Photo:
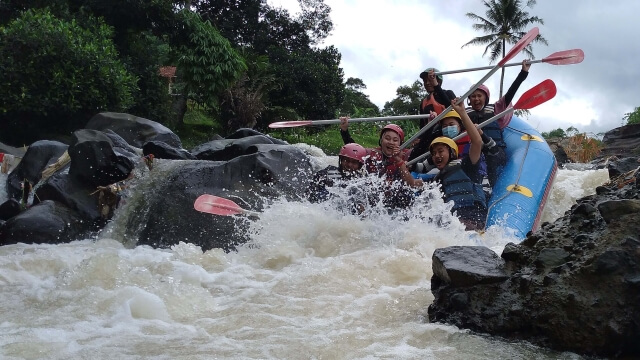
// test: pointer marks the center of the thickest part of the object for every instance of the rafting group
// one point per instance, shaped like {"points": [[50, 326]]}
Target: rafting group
{"points": [[465, 166]]}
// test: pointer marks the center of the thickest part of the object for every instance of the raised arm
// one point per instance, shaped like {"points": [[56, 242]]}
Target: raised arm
{"points": [[475, 149]]}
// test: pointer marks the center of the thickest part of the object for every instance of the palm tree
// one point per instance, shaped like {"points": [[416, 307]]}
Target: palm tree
{"points": [[505, 22]]}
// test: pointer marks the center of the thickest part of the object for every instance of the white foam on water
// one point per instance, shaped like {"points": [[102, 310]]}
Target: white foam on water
{"points": [[314, 281]]}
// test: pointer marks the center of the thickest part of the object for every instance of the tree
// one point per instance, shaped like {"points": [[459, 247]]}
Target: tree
{"points": [[407, 101], [56, 75], [559, 133], [505, 22], [356, 103], [632, 117], [243, 103]]}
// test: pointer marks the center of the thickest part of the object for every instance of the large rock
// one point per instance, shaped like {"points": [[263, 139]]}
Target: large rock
{"points": [[46, 223], [622, 142], [574, 285], [135, 130], [96, 162], [78, 196], [161, 150], [39, 155], [161, 211], [227, 149]]}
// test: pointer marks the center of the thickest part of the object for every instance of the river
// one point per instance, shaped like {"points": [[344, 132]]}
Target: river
{"points": [[311, 284]]}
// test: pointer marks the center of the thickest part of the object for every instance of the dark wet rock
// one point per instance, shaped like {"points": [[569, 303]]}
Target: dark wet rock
{"points": [[161, 150], [466, 266], [7, 149], [614, 209], [96, 162], [162, 214], [622, 166], [46, 223], [9, 209], [572, 286], [622, 141], [227, 149], [245, 132], [76, 195], [135, 130], [39, 155]]}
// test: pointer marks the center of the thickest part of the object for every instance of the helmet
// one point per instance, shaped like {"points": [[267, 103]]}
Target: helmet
{"points": [[426, 71], [395, 128], [449, 142], [354, 151], [452, 113], [484, 89]]}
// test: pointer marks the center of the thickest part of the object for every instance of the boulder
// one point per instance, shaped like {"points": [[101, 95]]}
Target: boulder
{"points": [[76, 195], [96, 162], [246, 132], [39, 155], [161, 150], [45, 223], [9, 209], [227, 149], [135, 130], [163, 214], [572, 286]]}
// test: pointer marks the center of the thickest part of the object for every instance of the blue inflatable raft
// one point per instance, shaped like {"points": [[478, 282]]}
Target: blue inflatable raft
{"points": [[521, 191]]}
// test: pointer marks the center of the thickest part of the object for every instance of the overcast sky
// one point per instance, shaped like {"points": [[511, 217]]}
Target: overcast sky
{"points": [[387, 43]]}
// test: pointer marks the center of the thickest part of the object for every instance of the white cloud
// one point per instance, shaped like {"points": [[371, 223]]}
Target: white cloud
{"points": [[388, 43]]}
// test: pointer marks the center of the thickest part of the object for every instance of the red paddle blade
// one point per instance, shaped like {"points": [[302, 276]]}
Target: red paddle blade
{"points": [[535, 96], [521, 44], [566, 57], [288, 124], [217, 205]]}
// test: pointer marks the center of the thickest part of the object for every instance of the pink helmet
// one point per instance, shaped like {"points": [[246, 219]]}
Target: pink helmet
{"points": [[486, 92], [354, 151], [395, 128]]}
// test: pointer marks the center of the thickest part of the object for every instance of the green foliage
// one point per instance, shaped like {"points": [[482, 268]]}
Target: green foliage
{"points": [[145, 54], [57, 74], [207, 61], [407, 100], [356, 103], [243, 102], [559, 133], [311, 81], [632, 117], [505, 22]]}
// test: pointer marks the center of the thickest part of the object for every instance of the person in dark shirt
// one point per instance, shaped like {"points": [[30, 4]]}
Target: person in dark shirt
{"points": [[480, 109]]}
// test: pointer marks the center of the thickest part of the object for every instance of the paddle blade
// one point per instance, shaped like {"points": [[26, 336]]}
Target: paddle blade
{"points": [[521, 44], [535, 96], [289, 124], [216, 205], [566, 57]]}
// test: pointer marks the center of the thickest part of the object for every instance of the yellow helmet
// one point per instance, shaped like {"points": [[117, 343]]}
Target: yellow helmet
{"points": [[452, 113], [447, 141]]}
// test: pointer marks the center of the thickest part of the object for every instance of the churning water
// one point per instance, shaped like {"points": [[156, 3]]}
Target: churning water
{"points": [[312, 283]]}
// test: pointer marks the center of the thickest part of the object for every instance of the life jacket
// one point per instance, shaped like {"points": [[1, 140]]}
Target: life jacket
{"points": [[492, 130], [430, 100], [464, 144], [459, 188], [378, 163]]}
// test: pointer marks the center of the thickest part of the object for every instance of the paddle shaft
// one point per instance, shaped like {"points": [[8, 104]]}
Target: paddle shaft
{"points": [[521, 44], [461, 135], [379, 118], [442, 114]]}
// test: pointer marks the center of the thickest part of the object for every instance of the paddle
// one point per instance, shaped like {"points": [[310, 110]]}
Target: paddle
{"points": [[566, 57], [220, 206], [531, 98], [521, 44], [288, 124]]}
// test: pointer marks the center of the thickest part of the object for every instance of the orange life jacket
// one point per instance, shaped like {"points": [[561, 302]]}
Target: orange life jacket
{"points": [[430, 99]]}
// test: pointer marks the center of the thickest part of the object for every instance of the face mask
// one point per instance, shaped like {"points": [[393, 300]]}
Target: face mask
{"points": [[450, 131]]}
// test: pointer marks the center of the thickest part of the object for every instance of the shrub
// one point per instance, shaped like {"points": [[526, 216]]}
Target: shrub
{"points": [[57, 74]]}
